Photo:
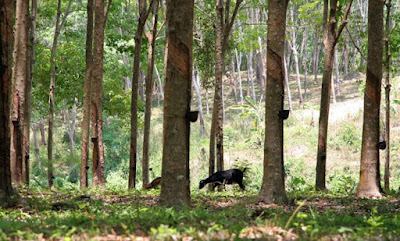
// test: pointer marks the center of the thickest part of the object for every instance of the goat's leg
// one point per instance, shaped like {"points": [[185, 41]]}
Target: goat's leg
{"points": [[241, 185]]}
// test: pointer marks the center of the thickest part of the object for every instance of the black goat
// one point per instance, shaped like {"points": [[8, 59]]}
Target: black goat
{"points": [[230, 176]]}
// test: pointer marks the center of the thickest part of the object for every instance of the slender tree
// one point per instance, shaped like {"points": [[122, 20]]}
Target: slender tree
{"points": [[59, 24], [7, 13], [20, 75], [175, 187], [149, 89], [100, 18], [369, 185], [273, 186], [28, 91], [223, 30], [331, 37], [387, 95], [143, 14], [86, 97]]}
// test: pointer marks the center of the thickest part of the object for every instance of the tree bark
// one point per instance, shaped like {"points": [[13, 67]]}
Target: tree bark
{"points": [[143, 14], [149, 89], [331, 36], [273, 186], [21, 77], [369, 184], [86, 98], [100, 17], [219, 58], [175, 187], [7, 13], [387, 96]]}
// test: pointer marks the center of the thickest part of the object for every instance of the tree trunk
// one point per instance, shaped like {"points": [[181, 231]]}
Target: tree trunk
{"points": [[143, 14], [175, 187], [7, 12], [196, 84], [296, 58], [239, 62], [387, 96], [287, 84], [369, 184], [337, 77], [333, 88], [331, 36], [316, 56], [71, 129], [250, 75], [36, 144], [273, 186], [86, 98], [233, 81], [207, 106], [42, 132], [97, 90], [59, 25], [219, 58], [160, 84], [21, 77], [28, 93], [149, 89]]}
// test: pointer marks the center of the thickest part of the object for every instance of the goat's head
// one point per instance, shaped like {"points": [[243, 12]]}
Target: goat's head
{"points": [[202, 184]]}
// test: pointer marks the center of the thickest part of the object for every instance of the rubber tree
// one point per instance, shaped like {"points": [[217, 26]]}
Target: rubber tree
{"points": [[7, 13], [369, 185], [273, 185], [175, 185], [330, 38]]}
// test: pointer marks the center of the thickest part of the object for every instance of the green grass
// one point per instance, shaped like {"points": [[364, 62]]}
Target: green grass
{"points": [[223, 215]]}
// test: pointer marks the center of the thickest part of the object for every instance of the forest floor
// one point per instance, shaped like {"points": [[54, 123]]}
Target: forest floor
{"points": [[213, 216]]}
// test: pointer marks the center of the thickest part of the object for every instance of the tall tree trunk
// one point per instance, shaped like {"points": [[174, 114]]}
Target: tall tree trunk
{"points": [[175, 187], [59, 25], [219, 56], [149, 88], [387, 96], [143, 14], [86, 98], [296, 58], [7, 13], [100, 17], [369, 184], [331, 36], [273, 186], [21, 77], [223, 30], [28, 92]]}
